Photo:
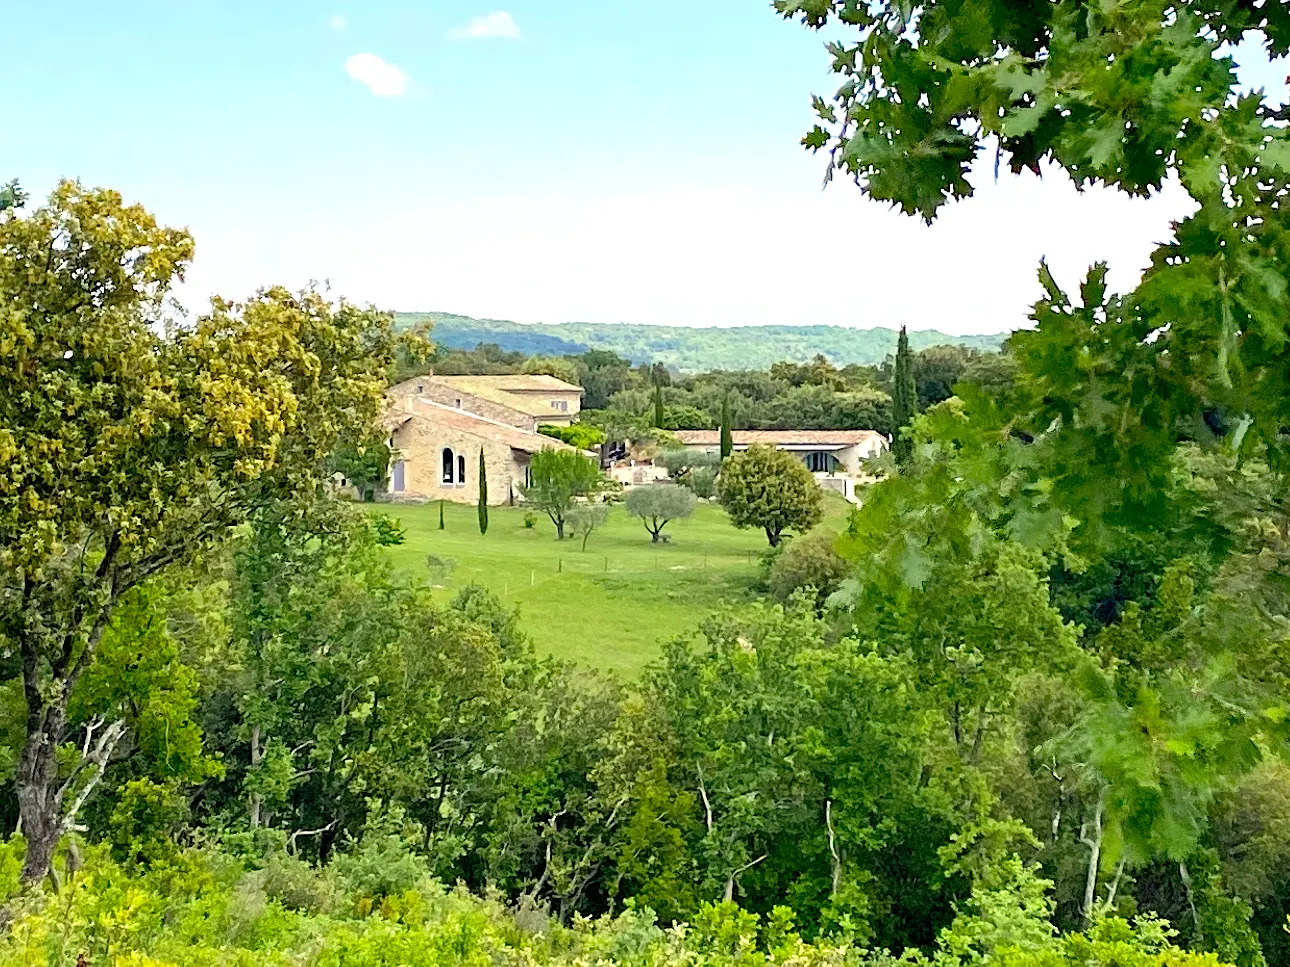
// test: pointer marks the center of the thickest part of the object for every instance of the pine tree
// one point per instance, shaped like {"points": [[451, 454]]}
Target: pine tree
{"points": [[483, 494], [727, 437], [904, 401], [441, 515], [658, 405]]}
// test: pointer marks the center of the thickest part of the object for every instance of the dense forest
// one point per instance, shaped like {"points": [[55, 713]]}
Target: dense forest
{"points": [[686, 349], [1041, 719], [812, 395]]}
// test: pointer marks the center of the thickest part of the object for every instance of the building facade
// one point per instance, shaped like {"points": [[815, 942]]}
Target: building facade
{"points": [[435, 453], [835, 457]]}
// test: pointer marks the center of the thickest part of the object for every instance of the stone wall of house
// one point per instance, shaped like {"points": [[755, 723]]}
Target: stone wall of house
{"points": [[420, 444], [429, 389]]}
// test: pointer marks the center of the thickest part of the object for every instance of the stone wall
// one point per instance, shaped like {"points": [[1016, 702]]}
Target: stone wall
{"points": [[420, 444], [427, 388]]}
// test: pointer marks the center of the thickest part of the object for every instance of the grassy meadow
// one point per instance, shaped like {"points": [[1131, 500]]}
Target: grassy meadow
{"points": [[610, 606]]}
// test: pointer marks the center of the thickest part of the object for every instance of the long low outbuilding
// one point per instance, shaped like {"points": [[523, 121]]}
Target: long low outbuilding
{"points": [[836, 457]]}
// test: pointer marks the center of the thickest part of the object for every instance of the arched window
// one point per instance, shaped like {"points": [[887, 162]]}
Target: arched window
{"points": [[820, 462], [461, 469], [448, 466]]}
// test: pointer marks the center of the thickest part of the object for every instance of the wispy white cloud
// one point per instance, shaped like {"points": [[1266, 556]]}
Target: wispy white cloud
{"points": [[381, 78], [338, 22], [496, 24]]}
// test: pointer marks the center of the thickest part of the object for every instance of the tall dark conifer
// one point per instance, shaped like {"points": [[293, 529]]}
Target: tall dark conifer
{"points": [[727, 437], [658, 405], [904, 401], [483, 493]]}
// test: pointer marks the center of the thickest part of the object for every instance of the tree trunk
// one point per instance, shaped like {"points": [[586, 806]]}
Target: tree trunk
{"points": [[37, 790], [44, 810], [773, 537], [1094, 844]]}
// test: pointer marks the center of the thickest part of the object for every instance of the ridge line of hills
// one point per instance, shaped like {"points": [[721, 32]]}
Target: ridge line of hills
{"points": [[686, 348]]}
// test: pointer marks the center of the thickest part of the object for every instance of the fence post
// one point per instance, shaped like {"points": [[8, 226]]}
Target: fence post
{"points": [[559, 566]]}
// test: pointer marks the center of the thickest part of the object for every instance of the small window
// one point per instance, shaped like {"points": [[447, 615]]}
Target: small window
{"points": [[561, 405], [461, 470], [448, 466], [421, 388], [458, 402], [528, 475]]}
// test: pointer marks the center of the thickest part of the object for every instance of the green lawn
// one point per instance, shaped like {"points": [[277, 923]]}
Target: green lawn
{"points": [[610, 606]]}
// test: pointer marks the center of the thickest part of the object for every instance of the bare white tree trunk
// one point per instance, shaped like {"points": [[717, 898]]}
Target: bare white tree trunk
{"points": [[833, 848], [1094, 844]]}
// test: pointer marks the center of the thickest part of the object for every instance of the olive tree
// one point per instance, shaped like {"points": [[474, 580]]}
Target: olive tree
{"points": [[658, 505], [129, 442], [585, 518], [771, 489]]}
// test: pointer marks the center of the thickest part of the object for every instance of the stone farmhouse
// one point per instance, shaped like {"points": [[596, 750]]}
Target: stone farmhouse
{"points": [[436, 451], [524, 401], [834, 456]]}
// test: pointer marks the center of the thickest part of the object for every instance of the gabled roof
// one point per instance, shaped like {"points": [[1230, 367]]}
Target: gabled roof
{"points": [[480, 426], [781, 438], [517, 392]]}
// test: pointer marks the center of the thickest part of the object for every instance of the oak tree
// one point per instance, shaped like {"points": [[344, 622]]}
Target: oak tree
{"points": [[130, 441]]}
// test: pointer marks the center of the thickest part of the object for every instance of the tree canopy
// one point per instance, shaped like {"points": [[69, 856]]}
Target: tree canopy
{"points": [[130, 442], [556, 479], [770, 489]]}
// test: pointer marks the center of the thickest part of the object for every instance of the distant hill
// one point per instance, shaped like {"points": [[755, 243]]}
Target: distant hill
{"points": [[686, 348]]}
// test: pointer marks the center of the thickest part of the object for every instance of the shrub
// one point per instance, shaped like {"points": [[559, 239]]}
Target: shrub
{"points": [[146, 820], [530, 520], [702, 482], [808, 561], [386, 531], [579, 435]]}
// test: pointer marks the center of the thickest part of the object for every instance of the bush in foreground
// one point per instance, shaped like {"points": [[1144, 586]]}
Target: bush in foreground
{"points": [[377, 908]]}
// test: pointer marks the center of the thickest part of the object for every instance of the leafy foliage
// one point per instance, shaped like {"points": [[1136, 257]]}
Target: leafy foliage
{"points": [[579, 435], [904, 401], [811, 562], [587, 517], [129, 446], [557, 478], [770, 489], [658, 505]]}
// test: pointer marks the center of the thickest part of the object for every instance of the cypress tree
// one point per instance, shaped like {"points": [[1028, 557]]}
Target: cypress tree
{"points": [[904, 401], [658, 405], [483, 494], [441, 515], [727, 437]]}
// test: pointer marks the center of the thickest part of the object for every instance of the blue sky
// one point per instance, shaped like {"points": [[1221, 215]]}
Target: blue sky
{"points": [[536, 161]]}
